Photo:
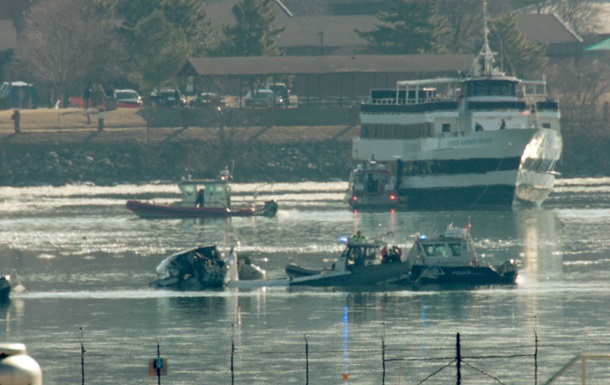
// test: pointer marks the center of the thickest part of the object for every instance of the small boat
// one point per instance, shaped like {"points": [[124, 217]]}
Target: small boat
{"points": [[202, 199], [450, 258], [204, 267], [5, 288], [371, 186], [362, 262]]}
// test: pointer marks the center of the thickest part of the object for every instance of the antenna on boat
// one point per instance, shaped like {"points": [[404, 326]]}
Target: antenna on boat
{"points": [[486, 53]]}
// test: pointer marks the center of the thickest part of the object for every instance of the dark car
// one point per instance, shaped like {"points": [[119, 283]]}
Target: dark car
{"points": [[207, 99], [280, 89], [167, 97]]}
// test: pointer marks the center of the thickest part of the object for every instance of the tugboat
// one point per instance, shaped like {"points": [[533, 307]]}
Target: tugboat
{"points": [[450, 259], [202, 199], [362, 262], [371, 186]]}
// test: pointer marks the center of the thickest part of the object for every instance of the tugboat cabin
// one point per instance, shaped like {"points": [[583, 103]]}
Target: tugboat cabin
{"points": [[213, 193]]}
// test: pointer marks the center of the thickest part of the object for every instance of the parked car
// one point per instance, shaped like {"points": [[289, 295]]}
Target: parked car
{"points": [[280, 89], [128, 99], [207, 99], [167, 97], [263, 98]]}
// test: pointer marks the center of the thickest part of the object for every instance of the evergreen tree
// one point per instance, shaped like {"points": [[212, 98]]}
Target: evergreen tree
{"points": [[189, 16], [523, 58], [254, 33], [160, 51], [410, 27], [157, 51]]}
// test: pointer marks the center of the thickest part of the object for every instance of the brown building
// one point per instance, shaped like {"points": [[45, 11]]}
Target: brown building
{"points": [[341, 78]]}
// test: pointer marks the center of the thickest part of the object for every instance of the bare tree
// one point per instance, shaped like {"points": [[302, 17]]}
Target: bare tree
{"points": [[581, 86], [464, 19], [65, 44]]}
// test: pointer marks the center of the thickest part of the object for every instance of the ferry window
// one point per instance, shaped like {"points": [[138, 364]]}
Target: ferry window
{"points": [[446, 127], [456, 249], [546, 125]]}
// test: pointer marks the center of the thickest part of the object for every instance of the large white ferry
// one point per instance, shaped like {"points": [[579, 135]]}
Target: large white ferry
{"points": [[483, 140]]}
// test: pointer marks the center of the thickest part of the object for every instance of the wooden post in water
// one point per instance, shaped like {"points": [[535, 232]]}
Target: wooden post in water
{"points": [[383, 357], [535, 358], [458, 359], [82, 356], [158, 366], [232, 355], [306, 361]]}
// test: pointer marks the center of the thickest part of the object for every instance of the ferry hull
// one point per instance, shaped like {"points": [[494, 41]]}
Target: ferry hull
{"points": [[480, 170]]}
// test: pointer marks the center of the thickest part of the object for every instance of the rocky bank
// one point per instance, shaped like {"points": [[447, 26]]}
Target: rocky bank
{"points": [[276, 154]]}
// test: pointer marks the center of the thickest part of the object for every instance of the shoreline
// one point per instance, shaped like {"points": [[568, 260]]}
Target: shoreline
{"points": [[131, 152], [57, 147]]}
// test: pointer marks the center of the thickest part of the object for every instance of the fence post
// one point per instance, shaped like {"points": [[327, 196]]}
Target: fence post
{"points": [[458, 359], [100, 119], [16, 117]]}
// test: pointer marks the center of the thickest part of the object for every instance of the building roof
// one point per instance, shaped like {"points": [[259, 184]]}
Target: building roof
{"points": [[603, 45], [299, 65], [546, 28], [338, 31], [8, 35]]}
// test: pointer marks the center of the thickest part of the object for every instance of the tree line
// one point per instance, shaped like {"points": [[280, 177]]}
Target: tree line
{"points": [[65, 44]]}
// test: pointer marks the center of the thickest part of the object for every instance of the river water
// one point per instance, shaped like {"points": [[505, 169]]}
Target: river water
{"points": [[86, 262]]}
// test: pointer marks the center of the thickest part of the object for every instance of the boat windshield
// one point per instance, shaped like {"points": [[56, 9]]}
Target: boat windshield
{"points": [[188, 191], [453, 249], [456, 249]]}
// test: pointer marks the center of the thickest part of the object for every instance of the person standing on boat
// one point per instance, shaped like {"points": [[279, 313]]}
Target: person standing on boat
{"points": [[200, 198], [478, 127], [358, 237], [503, 125]]}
